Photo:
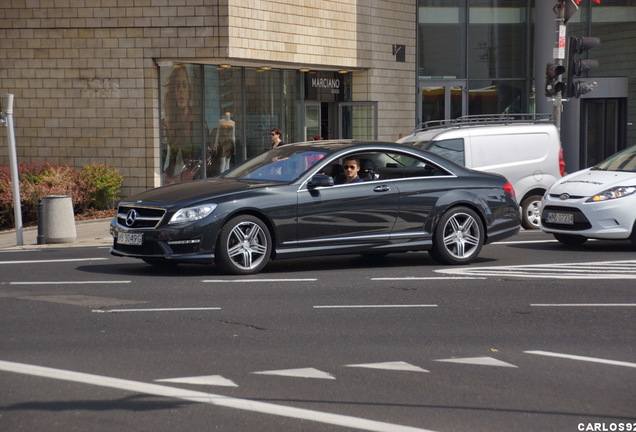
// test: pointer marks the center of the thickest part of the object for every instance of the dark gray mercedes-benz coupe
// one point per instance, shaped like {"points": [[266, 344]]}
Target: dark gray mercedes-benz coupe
{"points": [[319, 198]]}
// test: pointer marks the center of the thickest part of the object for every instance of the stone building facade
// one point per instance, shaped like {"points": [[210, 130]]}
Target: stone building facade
{"points": [[86, 74]]}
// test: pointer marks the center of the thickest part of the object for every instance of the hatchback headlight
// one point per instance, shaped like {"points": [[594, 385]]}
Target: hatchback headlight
{"points": [[190, 214], [617, 192]]}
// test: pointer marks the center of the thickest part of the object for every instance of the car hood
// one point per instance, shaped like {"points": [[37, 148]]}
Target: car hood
{"points": [[589, 182], [195, 191]]}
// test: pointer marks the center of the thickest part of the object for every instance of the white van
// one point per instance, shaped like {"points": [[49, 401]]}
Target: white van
{"points": [[526, 149]]}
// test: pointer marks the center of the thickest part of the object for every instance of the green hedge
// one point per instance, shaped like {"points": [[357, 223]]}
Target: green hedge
{"points": [[94, 187]]}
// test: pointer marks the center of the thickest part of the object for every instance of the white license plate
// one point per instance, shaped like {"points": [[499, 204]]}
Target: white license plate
{"points": [[560, 218], [130, 239]]}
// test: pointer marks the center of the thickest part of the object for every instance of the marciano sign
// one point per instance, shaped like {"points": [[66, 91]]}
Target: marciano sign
{"points": [[332, 84]]}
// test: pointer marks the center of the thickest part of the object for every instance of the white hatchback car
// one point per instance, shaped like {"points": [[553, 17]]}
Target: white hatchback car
{"points": [[597, 202]]}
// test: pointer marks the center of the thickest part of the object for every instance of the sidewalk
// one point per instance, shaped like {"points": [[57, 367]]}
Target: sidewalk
{"points": [[89, 233]]}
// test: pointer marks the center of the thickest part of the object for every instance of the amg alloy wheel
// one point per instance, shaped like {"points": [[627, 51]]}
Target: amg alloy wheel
{"points": [[458, 237], [244, 246]]}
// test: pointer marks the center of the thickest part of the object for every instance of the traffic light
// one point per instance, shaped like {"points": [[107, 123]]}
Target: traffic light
{"points": [[576, 66], [553, 83]]}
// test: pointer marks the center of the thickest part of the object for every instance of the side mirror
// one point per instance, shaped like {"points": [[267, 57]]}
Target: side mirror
{"points": [[320, 180]]}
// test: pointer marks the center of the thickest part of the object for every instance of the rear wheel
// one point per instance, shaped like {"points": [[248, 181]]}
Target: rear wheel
{"points": [[458, 237], [531, 212], [570, 239], [244, 246]]}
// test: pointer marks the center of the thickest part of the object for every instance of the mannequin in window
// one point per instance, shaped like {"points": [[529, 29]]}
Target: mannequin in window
{"points": [[225, 141]]}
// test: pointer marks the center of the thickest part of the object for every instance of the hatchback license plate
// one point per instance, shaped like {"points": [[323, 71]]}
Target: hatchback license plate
{"points": [[560, 218], [130, 239]]}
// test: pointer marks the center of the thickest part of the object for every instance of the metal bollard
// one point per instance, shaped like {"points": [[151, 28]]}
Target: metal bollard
{"points": [[40, 223]]}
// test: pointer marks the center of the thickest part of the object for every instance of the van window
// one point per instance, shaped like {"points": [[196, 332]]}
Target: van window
{"points": [[451, 149]]}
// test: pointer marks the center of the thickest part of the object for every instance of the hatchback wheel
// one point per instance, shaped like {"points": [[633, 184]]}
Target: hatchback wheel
{"points": [[570, 239], [244, 246], [458, 237], [531, 212]]}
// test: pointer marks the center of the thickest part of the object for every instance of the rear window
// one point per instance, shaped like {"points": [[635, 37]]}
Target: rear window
{"points": [[451, 149]]}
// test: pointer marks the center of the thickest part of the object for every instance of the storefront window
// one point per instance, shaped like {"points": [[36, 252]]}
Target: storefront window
{"points": [[496, 39], [223, 118], [263, 108], [182, 144], [496, 97], [441, 36]]}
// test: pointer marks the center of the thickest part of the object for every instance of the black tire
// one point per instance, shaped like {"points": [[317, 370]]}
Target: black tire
{"points": [[458, 237], [531, 212], [632, 237], [244, 246], [570, 239]]}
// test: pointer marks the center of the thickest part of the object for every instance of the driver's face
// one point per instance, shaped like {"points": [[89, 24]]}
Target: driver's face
{"points": [[351, 169]]}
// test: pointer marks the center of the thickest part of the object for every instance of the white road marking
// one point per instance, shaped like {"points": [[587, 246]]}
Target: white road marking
{"points": [[68, 282], [584, 305], [396, 366], [209, 398], [523, 242], [481, 361], [52, 261], [590, 270], [409, 278], [583, 358], [257, 280], [298, 373], [214, 380], [156, 310], [374, 306]]}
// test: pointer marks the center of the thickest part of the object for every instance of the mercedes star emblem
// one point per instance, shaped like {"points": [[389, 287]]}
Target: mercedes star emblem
{"points": [[131, 216]]}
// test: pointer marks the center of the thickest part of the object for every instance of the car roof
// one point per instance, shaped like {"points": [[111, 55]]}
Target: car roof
{"points": [[334, 146]]}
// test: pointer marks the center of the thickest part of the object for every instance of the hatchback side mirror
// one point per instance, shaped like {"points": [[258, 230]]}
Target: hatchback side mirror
{"points": [[320, 180]]}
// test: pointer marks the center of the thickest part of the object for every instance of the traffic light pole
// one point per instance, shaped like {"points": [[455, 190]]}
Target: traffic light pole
{"points": [[559, 55]]}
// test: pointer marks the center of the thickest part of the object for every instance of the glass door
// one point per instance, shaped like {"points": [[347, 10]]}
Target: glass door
{"points": [[603, 129], [441, 100], [358, 120], [313, 120]]}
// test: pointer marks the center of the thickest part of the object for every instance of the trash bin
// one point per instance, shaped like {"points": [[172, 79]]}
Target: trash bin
{"points": [[58, 220]]}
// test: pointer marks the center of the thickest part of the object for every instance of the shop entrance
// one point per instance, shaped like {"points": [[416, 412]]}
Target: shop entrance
{"points": [[441, 100], [318, 124]]}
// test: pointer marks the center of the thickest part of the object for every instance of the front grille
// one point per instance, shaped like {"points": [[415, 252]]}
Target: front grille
{"points": [[150, 248], [144, 217], [580, 221]]}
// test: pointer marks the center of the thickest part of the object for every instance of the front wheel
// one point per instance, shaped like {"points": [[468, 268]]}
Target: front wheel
{"points": [[531, 212], [244, 246], [570, 239], [458, 237]]}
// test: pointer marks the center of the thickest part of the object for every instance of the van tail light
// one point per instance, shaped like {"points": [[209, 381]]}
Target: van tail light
{"points": [[508, 188], [561, 163]]}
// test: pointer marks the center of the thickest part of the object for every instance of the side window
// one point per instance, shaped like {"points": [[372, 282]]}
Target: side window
{"points": [[400, 165], [451, 149]]}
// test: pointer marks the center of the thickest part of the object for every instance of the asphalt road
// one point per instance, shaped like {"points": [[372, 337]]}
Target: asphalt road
{"points": [[534, 336]]}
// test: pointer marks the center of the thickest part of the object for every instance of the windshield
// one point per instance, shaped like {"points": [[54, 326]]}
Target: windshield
{"points": [[621, 161], [282, 164]]}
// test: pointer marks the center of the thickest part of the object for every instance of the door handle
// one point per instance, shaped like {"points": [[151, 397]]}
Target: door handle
{"points": [[382, 188]]}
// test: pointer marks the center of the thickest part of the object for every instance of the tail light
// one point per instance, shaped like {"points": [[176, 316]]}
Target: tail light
{"points": [[508, 188], [561, 163]]}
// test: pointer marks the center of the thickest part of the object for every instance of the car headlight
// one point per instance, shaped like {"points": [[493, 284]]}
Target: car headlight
{"points": [[190, 214], [617, 192]]}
